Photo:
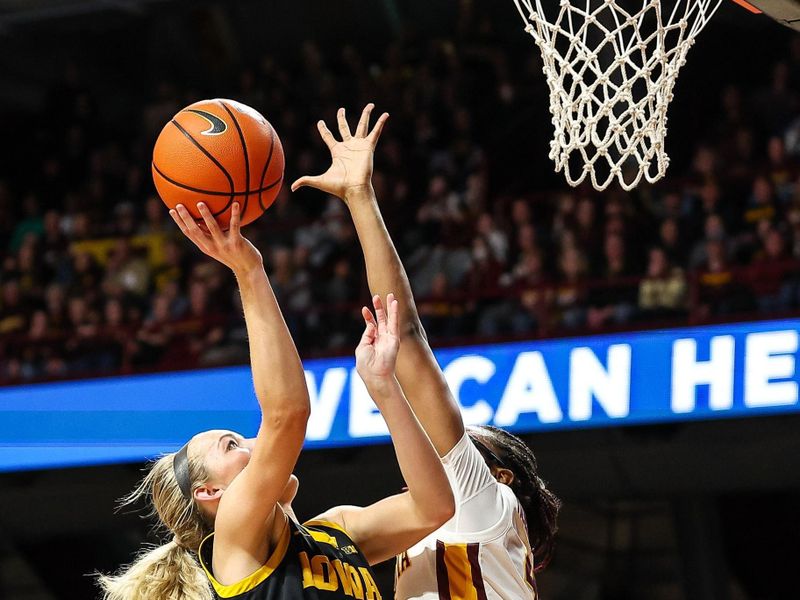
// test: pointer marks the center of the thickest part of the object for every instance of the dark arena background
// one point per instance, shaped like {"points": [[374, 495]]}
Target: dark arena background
{"points": [[678, 469]]}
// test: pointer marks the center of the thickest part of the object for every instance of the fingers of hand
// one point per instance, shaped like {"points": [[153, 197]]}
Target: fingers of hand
{"points": [[178, 221], [344, 128], [380, 312], [375, 134], [369, 334], [368, 316], [190, 227], [369, 325], [363, 122], [306, 180], [210, 221], [236, 219], [393, 320], [326, 134]]}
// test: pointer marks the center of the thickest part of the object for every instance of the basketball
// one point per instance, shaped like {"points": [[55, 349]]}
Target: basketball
{"points": [[217, 152]]}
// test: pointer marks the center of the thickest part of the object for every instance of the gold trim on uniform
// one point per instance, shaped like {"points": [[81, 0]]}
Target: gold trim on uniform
{"points": [[327, 524], [320, 536], [251, 581]]}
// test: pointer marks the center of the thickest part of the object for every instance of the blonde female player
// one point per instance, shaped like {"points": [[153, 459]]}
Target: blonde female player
{"points": [[505, 520], [226, 500]]}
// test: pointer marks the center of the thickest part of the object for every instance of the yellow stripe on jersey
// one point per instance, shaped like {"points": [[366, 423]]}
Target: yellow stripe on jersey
{"points": [[251, 581], [330, 524], [458, 572], [322, 537]]}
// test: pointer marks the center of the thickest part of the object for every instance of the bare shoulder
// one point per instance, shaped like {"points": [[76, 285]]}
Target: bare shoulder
{"points": [[236, 555], [337, 515]]}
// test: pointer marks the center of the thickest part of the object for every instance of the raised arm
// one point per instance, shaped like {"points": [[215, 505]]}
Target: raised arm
{"points": [[350, 178], [386, 528], [248, 507]]}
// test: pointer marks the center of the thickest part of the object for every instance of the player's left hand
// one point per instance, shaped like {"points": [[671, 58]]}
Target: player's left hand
{"points": [[230, 248], [351, 159], [376, 354]]}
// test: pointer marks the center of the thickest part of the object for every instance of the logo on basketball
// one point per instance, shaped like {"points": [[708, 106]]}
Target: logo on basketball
{"points": [[218, 126]]}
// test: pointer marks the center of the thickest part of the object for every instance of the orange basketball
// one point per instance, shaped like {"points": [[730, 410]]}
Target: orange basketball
{"points": [[217, 152]]}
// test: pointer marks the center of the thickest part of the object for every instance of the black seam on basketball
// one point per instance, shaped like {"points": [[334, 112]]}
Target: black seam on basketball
{"points": [[270, 186], [243, 209], [211, 192], [266, 166], [231, 194]]}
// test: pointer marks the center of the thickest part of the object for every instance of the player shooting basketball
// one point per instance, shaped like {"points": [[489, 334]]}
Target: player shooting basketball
{"points": [[505, 522], [227, 500]]}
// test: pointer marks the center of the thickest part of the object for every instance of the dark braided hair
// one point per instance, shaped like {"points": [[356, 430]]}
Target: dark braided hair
{"points": [[540, 505]]}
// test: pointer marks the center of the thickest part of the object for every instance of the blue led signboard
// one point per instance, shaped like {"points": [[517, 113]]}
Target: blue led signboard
{"points": [[725, 371]]}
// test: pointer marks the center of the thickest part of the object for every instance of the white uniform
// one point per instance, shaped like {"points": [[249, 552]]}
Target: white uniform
{"points": [[483, 552]]}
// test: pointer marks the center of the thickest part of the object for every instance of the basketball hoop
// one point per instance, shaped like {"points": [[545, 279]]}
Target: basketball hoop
{"points": [[611, 68]]}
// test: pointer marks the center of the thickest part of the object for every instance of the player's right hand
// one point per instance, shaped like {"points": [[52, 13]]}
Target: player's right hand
{"points": [[376, 354], [351, 159], [230, 248]]}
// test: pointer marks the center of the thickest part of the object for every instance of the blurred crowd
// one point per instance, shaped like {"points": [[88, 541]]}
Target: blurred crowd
{"points": [[95, 278]]}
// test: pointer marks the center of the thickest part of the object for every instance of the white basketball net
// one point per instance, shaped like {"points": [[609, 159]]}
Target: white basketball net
{"points": [[611, 71]]}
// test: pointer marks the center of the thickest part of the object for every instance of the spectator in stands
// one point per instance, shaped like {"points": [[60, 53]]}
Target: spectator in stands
{"points": [[772, 276], [54, 244], [762, 204], [13, 315], [341, 291], [571, 291], [532, 289], [172, 267], [719, 291], [31, 272], [709, 201], [86, 275], [714, 230], [614, 299], [662, 292], [39, 327], [125, 220], [741, 161], [55, 303], [155, 335], [154, 222], [31, 224], [126, 270], [82, 319], [440, 315], [670, 240], [201, 328], [496, 240]]}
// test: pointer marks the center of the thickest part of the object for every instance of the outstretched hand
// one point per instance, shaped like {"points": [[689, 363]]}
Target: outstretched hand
{"points": [[230, 248], [351, 159], [376, 353]]}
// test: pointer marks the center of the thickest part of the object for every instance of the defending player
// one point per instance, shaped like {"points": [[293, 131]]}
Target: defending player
{"points": [[505, 518], [228, 499]]}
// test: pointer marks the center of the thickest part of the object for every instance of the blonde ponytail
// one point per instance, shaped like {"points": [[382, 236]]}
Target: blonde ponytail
{"points": [[170, 571]]}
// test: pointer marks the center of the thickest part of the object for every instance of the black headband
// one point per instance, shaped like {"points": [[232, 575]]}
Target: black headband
{"points": [[487, 452], [180, 465]]}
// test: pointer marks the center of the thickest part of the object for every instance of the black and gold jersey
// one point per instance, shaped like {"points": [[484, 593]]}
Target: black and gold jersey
{"points": [[316, 560]]}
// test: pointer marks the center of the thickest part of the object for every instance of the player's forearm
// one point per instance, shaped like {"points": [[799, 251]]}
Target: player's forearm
{"points": [[277, 371], [385, 272], [417, 369], [419, 463]]}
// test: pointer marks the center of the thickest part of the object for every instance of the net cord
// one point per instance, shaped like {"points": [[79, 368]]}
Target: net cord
{"points": [[602, 116]]}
